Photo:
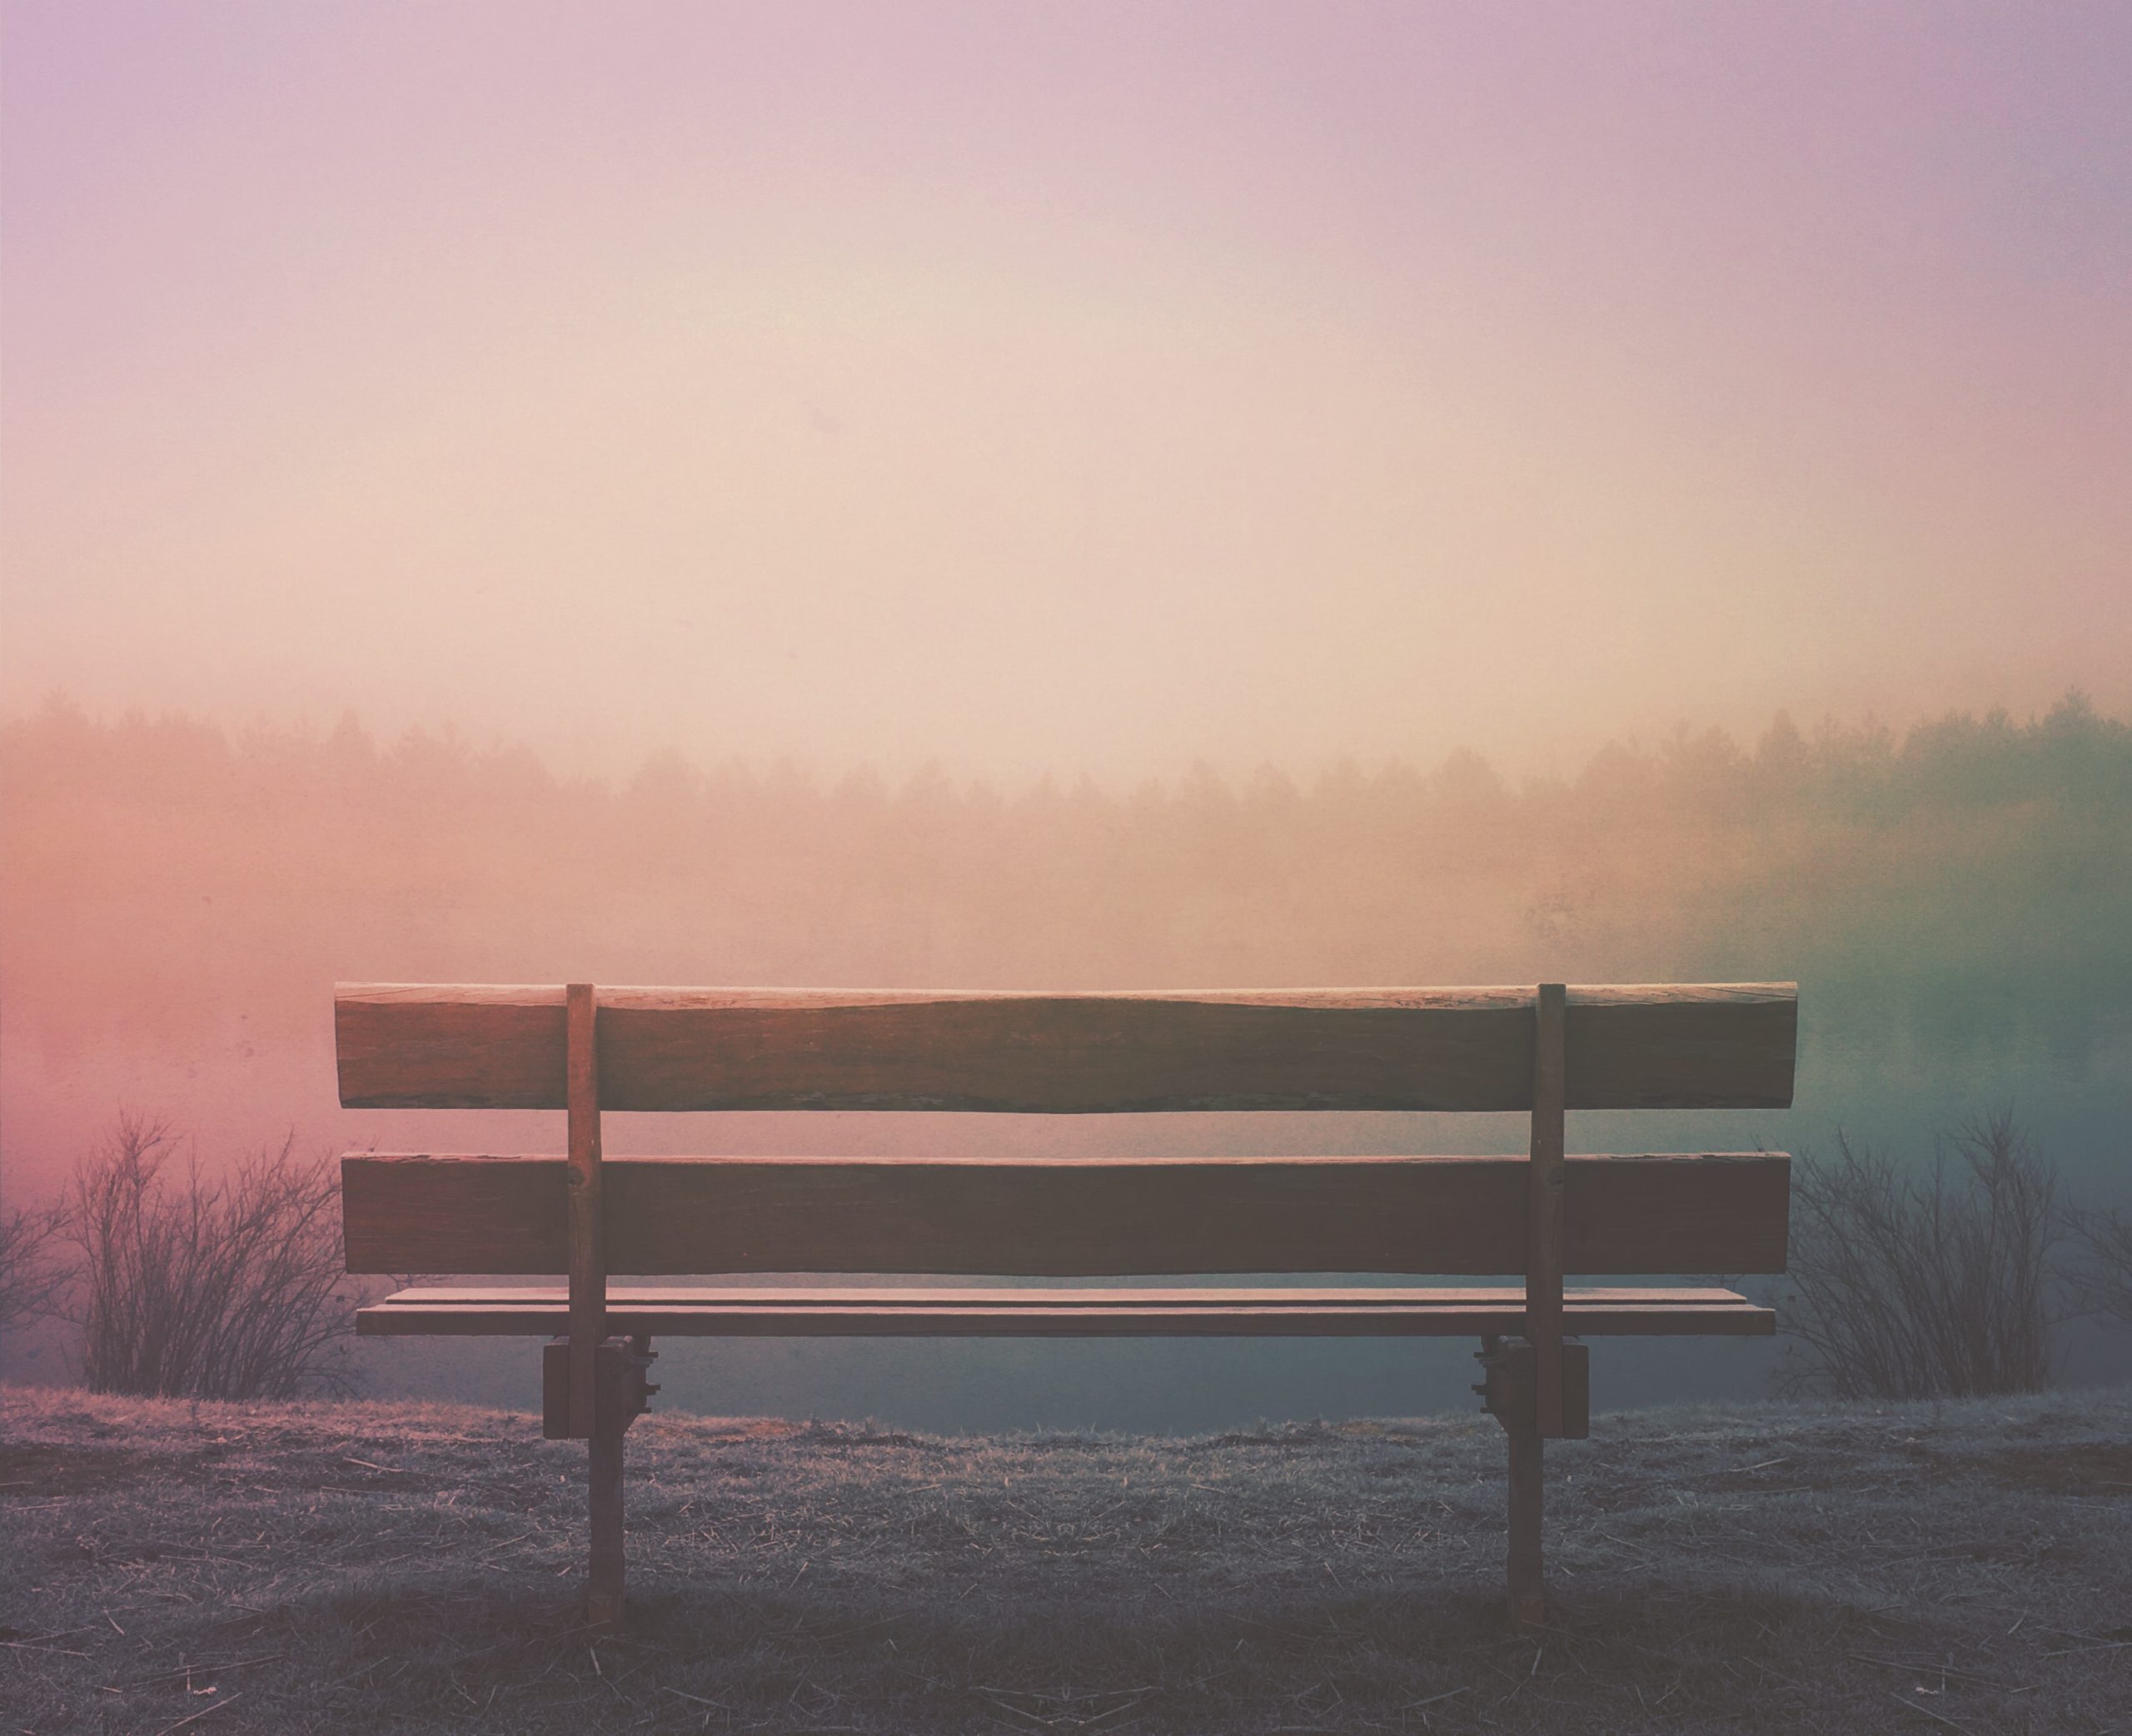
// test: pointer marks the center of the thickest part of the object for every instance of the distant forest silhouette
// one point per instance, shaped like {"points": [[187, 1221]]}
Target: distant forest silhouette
{"points": [[161, 874]]}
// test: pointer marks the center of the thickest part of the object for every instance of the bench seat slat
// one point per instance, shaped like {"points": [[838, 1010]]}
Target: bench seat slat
{"points": [[899, 1311]]}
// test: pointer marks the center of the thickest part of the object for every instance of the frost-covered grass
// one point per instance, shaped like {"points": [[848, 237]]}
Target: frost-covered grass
{"points": [[395, 1567]]}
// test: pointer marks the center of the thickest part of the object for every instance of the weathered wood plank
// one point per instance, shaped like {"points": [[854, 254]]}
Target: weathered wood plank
{"points": [[1712, 1046], [887, 1311], [1035, 1217]]}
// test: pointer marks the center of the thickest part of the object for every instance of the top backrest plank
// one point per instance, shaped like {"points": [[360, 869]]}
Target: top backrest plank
{"points": [[1713, 1046]]}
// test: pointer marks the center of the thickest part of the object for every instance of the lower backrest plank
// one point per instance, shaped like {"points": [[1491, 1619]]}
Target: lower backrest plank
{"points": [[1035, 1217]]}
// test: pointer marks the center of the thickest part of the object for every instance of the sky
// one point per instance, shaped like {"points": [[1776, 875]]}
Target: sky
{"points": [[1073, 385]]}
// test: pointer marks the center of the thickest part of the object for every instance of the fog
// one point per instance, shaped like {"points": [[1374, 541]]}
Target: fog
{"points": [[1950, 899], [1071, 495]]}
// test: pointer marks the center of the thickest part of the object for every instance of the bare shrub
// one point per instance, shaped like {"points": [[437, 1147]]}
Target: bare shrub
{"points": [[30, 1275], [2101, 1275], [229, 1289], [1939, 1285]]}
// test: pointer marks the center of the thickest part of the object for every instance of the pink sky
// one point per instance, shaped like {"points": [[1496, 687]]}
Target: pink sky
{"points": [[1065, 385]]}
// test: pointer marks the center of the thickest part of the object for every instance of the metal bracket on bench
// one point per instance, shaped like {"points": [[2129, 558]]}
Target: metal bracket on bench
{"points": [[621, 1392], [1509, 1390]]}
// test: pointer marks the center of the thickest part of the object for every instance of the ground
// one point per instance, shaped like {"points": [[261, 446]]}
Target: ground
{"points": [[411, 1568]]}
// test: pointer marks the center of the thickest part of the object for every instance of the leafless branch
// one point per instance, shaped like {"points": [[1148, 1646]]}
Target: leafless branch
{"points": [[1906, 1286], [31, 1275], [225, 1288], [2101, 1274]]}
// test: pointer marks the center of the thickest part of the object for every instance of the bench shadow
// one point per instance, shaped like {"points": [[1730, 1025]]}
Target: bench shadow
{"points": [[695, 1657]]}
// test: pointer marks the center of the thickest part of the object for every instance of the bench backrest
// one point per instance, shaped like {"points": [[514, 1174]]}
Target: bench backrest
{"points": [[1639, 1047]]}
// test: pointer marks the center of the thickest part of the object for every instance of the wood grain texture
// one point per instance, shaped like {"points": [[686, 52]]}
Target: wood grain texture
{"points": [[1711, 1046], [1035, 1217], [1544, 1227], [1108, 1312]]}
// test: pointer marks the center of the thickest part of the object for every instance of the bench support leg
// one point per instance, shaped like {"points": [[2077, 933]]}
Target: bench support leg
{"points": [[603, 1595], [1528, 1587], [1510, 1394], [622, 1395]]}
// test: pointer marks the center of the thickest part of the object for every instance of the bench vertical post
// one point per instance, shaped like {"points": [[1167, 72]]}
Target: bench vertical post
{"points": [[1531, 1426], [588, 1254], [597, 1423], [1544, 1251]]}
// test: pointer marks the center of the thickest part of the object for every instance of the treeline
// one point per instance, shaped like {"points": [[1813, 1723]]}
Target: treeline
{"points": [[160, 872]]}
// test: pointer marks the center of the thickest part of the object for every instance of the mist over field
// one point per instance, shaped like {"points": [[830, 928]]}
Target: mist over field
{"points": [[1950, 898]]}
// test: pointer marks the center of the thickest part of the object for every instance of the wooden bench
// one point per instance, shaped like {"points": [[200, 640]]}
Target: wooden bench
{"points": [[1538, 1218]]}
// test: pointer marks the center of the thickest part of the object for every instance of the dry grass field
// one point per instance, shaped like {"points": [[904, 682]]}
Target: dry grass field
{"points": [[392, 1567]]}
